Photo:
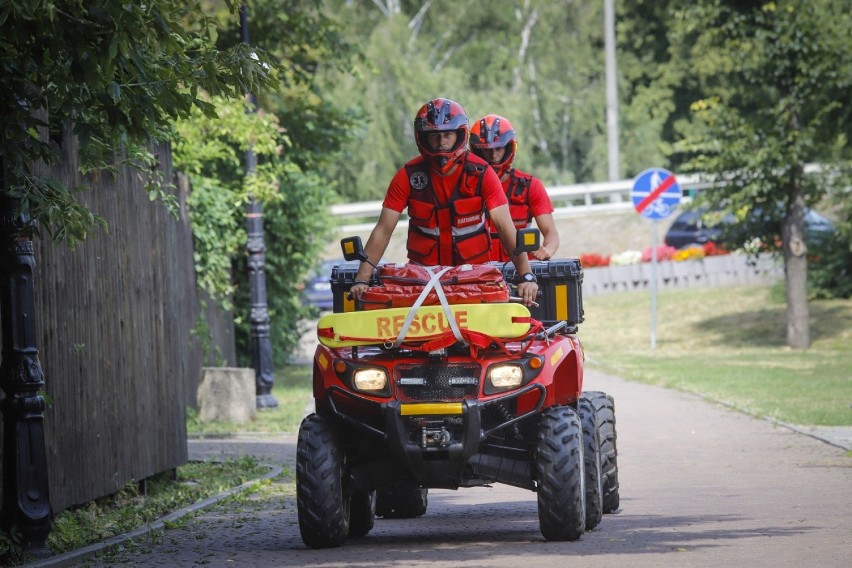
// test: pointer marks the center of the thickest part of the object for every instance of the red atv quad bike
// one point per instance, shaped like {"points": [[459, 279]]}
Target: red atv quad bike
{"points": [[442, 394]]}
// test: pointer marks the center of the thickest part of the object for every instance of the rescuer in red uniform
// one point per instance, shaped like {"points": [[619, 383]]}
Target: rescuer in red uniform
{"points": [[493, 139], [447, 191]]}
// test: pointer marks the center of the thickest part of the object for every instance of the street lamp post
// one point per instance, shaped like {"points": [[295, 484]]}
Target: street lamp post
{"points": [[26, 501], [261, 345]]}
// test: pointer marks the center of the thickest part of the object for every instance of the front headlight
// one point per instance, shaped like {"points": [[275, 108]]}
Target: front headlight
{"points": [[506, 376], [370, 379]]}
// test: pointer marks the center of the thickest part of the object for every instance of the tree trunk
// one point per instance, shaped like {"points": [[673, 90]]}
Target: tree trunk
{"points": [[796, 267]]}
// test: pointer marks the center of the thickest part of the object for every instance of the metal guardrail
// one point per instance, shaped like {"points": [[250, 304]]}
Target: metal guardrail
{"points": [[568, 200]]}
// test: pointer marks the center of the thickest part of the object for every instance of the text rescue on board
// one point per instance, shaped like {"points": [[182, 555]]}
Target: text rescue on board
{"points": [[429, 323]]}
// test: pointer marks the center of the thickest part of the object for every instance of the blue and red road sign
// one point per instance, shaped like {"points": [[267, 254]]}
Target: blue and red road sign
{"points": [[655, 194]]}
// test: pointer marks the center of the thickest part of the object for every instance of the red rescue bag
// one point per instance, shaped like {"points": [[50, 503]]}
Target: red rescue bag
{"points": [[402, 284]]}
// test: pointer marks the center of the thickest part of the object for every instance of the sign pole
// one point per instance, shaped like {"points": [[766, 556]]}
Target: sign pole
{"points": [[655, 195], [656, 225]]}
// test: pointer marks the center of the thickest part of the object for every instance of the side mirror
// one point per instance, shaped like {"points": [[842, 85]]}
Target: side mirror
{"points": [[354, 250], [527, 240]]}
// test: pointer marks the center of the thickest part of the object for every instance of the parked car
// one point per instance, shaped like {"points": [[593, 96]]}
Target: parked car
{"points": [[690, 229], [317, 290]]}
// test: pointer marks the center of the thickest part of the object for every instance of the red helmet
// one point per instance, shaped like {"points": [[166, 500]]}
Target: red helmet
{"points": [[494, 131], [441, 115]]}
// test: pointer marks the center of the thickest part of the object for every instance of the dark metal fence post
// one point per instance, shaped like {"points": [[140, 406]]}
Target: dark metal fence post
{"points": [[26, 506], [261, 345]]}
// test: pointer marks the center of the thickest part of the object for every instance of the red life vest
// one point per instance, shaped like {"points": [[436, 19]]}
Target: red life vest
{"points": [[451, 233], [518, 195]]}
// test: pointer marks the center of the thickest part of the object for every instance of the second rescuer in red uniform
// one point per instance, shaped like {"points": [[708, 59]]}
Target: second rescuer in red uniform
{"points": [[493, 139], [447, 191]]}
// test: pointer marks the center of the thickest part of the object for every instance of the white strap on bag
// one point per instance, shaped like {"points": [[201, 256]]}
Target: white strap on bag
{"points": [[434, 282]]}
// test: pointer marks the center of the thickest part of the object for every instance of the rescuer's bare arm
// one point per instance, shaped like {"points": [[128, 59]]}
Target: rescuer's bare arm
{"points": [[375, 248], [506, 230]]}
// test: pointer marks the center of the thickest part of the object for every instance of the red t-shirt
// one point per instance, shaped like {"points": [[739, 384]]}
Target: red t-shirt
{"points": [[539, 200], [399, 189], [537, 197]]}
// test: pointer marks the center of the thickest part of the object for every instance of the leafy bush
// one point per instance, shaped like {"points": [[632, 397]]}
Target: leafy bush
{"points": [[830, 266], [116, 73]]}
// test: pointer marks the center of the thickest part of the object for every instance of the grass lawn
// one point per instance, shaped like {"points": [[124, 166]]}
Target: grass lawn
{"points": [[130, 508], [728, 344]]}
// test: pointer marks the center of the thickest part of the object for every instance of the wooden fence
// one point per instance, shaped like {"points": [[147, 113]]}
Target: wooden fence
{"points": [[114, 322]]}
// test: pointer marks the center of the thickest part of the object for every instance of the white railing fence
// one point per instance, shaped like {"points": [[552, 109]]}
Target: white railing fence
{"points": [[568, 200]]}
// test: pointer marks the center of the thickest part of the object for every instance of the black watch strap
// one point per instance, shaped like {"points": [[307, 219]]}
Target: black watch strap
{"points": [[528, 277]]}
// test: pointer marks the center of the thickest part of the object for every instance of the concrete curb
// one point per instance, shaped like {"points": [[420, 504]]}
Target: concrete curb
{"points": [[73, 557], [839, 436]]}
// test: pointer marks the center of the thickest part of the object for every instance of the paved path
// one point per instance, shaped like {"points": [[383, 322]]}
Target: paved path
{"points": [[701, 485]]}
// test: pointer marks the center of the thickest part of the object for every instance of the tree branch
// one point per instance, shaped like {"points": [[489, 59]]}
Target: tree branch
{"points": [[526, 31], [417, 21], [389, 7]]}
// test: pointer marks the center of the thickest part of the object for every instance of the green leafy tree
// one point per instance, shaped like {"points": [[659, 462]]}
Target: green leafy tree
{"points": [[295, 135], [538, 62], [776, 83], [116, 74], [382, 92], [210, 151]]}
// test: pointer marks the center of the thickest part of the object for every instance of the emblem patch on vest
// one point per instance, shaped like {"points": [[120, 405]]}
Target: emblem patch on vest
{"points": [[418, 180]]}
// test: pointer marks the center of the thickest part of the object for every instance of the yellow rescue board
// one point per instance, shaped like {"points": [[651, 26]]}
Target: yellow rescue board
{"points": [[374, 327]]}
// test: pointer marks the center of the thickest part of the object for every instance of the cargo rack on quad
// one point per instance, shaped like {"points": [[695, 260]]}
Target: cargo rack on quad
{"points": [[450, 395]]}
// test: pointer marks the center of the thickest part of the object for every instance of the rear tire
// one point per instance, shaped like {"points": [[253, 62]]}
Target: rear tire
{"points": [[591, 462], [401, 501], [559, 471], [323, 506], [605, 407], [362, 513]]}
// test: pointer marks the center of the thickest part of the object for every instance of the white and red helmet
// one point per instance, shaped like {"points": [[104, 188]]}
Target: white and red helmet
{"points": [[494, 131], [441, 115]]}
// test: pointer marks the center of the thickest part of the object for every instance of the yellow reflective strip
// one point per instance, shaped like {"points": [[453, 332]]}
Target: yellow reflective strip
{"points": [[430, 408], [561, 292], [556, 357], [374, 327], [323, 361], [348, 303]]}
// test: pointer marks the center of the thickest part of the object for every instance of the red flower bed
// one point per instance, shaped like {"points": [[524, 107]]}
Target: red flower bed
{"points": [[664, 252], [712, 249], [590, 260]]}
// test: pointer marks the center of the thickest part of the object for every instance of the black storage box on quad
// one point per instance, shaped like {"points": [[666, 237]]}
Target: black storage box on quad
{"points": [[561, 284], [342, 279]]}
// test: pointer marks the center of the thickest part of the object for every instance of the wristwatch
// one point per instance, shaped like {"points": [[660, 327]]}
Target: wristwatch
{"points": [[529, 277]]}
